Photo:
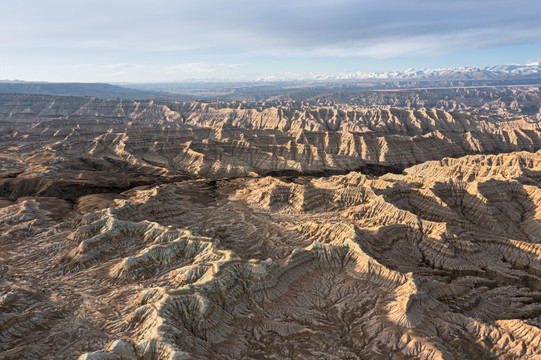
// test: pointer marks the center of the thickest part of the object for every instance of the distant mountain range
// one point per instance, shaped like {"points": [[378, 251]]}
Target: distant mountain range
{"points": [[492, 72], [294, 87], [100, 90]]}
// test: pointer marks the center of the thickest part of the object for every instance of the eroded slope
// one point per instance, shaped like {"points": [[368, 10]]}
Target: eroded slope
{"points": [[87, 139], [441, 262]]}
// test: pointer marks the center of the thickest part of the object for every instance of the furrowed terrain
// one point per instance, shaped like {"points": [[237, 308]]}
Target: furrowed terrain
{"points": [[161, 230], [81, 138]]}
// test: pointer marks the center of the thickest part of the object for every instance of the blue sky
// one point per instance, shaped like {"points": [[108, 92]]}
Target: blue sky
{"points": [[166, 40]]}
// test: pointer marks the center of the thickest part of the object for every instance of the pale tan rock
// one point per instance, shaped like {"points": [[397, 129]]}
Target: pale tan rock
{"points": [[442, 261]]}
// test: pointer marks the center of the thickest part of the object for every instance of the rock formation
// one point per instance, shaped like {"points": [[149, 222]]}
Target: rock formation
{"points": [[491, 99], [47, 137], [134, 235]]}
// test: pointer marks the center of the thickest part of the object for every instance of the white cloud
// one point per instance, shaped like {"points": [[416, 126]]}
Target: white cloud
{"points": [[347, 26], [197, 67], [109, 38], [110, 69]]}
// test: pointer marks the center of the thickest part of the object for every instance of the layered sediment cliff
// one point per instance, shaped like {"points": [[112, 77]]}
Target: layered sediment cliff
{"points": [[49, 136], [144, 230], [440, 262]]}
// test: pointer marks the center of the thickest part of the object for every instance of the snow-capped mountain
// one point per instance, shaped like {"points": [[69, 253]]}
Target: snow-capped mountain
{"points": [[492, 72]]}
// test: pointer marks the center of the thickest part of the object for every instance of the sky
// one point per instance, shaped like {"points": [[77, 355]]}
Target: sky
{"points": [[166, 40]]}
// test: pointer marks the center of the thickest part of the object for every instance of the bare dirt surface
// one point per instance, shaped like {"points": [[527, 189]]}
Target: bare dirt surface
{"points": [[115, 246]]}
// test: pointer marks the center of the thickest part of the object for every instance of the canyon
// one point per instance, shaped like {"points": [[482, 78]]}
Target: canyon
{"points": [[156, 229]]}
